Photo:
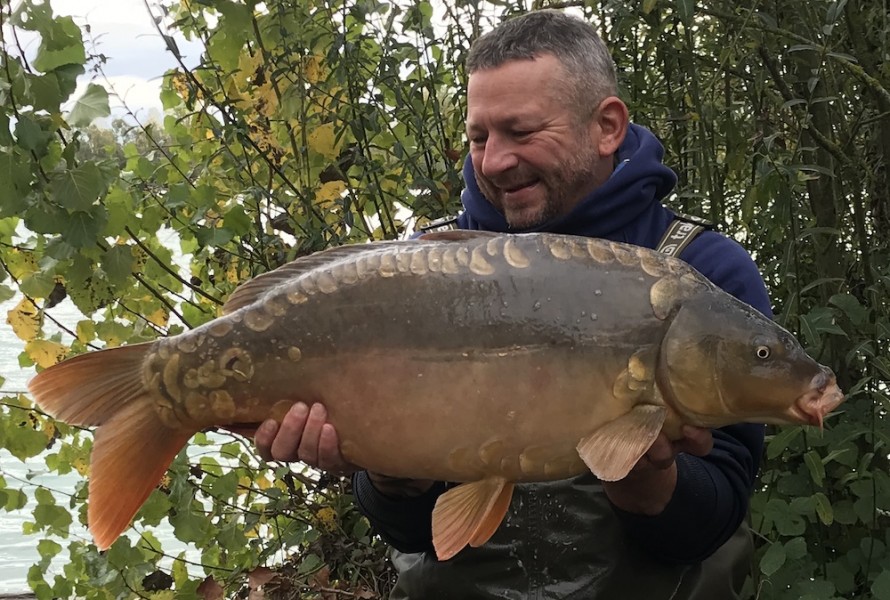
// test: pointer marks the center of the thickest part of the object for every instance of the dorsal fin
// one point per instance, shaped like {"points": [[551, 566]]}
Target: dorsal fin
{"points": [[457, 235], [248, 292]]}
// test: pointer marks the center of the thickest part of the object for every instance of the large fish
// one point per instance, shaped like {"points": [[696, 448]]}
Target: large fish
{"points": [[462, 356]]}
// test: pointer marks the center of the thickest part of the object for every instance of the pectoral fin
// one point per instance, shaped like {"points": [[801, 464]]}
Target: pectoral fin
{"points": [[469, 514], [612, 450]]}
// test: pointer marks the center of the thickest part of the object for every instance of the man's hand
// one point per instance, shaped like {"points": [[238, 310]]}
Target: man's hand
{"points": [[305, 435], [650, 485]]}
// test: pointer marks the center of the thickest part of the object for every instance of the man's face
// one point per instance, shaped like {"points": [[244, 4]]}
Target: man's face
{"points": [[533, 156]]}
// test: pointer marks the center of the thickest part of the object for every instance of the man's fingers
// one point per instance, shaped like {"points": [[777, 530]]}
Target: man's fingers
{"points": [[265, 436], [308, 446], [290, 433], [329, 457]]}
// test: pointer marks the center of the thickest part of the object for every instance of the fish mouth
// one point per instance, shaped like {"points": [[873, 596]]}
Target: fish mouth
{"points": [[823, 397]]}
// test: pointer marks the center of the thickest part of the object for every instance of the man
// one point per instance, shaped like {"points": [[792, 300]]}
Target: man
{"points": [[551, 149]]}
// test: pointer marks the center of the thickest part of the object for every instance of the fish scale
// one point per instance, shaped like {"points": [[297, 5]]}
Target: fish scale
{"points": [[489, 359]]}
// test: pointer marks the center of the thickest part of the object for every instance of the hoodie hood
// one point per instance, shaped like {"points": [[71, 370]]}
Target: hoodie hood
{"points": [[613, 211]]}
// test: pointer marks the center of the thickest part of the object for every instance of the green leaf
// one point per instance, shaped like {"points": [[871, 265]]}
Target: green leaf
{"points": [[38, 285], [190, 526], [45, 92], [15, 176], [118, 262], [857, 313], [82, 228], [31, 136], [92, 105], [773, 559], [815, 466], [61, 44], [881, 586], [225, 486], [796, 548], [80, 188], [686, 10], [823, 508], [155, 509], [781, 441], [237, 220]]}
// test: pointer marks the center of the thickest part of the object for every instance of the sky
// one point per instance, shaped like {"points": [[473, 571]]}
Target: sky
{"points": [[123, 30]]}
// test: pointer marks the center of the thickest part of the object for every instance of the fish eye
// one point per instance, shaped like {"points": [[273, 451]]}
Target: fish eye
{"points": [[762, 352]]}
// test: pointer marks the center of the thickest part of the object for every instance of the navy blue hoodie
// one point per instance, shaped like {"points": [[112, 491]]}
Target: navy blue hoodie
{"points": [[712, 493]]}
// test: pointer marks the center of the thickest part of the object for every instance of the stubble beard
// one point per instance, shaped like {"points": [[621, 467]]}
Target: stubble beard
{"points": [[563, 190]]}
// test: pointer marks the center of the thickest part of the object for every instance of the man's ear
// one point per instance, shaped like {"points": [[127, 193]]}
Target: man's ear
{"points": [[611, 119]]}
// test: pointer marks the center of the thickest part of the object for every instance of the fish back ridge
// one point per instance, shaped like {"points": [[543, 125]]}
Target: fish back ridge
{"points": [[250, 291], [132, 447]]}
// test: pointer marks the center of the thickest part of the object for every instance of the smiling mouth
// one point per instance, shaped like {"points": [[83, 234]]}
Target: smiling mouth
{"points": [[511, 190]]}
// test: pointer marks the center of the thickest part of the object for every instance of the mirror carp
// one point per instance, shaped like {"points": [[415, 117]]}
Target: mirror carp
{"points": [[474, 357]]}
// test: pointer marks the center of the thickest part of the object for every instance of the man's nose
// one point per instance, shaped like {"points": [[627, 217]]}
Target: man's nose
{"points": [[499, 156]]}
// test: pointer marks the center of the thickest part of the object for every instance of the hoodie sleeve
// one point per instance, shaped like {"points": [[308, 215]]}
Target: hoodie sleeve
{"points": [[712, 493]]}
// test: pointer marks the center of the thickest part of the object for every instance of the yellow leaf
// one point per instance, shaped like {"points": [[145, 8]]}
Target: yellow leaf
{"points": [[21, 263], [46, 353], [86, 331], [48, 427], [327, 517], [160, 317], [81, 465], [648, 5], [329, 192], [313, 69], [323, 141], [25, 320]]}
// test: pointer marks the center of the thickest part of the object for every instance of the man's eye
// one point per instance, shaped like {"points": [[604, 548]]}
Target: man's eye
{"points": [[522, 133]]}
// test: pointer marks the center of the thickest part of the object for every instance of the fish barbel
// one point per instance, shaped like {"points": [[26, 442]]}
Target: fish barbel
{"points": [[473, 357]]}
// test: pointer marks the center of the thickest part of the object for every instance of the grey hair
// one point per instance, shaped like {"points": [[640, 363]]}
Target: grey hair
{"points": [[588, 65]]}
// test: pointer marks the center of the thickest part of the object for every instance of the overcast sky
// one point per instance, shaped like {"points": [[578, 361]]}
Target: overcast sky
{"points": [[124, 32]]}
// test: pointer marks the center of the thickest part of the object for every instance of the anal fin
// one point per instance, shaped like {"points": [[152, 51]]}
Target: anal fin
{"points": [[612, 450], [469, 514]]}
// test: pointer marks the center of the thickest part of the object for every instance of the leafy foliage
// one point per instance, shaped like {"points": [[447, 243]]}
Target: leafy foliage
{"points": [[309, 124]]}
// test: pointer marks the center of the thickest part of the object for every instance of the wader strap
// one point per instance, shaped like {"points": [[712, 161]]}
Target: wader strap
{"points": [[443, 224], [678, 235]]}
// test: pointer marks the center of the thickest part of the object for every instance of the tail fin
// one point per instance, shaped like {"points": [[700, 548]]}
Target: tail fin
{"points": [[132, 447]]}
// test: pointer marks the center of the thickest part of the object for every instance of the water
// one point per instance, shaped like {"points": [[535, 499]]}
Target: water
{"points": [[18, 551]]}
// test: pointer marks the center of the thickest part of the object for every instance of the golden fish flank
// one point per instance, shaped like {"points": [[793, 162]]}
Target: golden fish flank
{"points": [[640, 361]]}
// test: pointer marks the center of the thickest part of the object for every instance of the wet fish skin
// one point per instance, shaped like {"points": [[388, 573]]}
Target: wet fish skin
{"points": [[548, 355]]}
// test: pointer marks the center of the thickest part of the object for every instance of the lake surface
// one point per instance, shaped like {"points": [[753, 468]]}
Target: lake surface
{"points": [[18, 551]]}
